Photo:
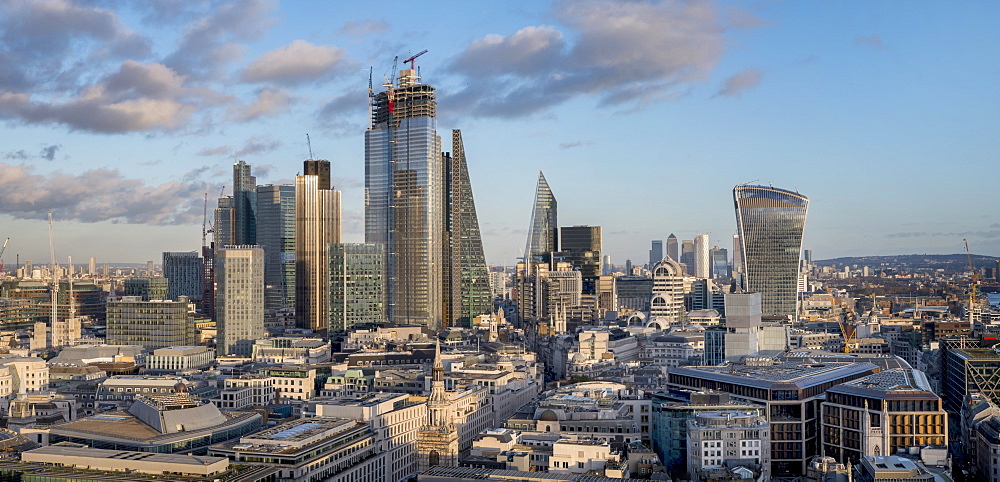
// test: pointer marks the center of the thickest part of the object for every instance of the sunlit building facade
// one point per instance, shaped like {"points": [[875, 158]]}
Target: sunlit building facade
{"points": [[771, 222]]}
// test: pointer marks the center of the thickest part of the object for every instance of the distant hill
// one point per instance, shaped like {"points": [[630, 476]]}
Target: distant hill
{"points": [[947, 262]]}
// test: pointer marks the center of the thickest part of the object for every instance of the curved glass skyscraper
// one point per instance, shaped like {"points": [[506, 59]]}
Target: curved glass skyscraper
{"points": [[771, 222], [543, 236]]}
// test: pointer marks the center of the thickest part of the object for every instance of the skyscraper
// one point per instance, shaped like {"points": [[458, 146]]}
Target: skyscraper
{"points": [[655, 252], [404, 190], [581, 247], [225, 220], [317, 226], [771, 223], [466, 284], [276, 235], [720, 262], [543, 234], [183, 271], [672, 250], [687, 256], [239, 298], [92, 271], [244, 205], [357, 286], [702, 262]]}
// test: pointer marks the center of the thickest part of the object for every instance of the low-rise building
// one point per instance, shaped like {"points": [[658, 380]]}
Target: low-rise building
{"points": [[291, 351], [179, 358], [245, 391], [127, 461], [292, 382], [890, 468], [728, 439]]}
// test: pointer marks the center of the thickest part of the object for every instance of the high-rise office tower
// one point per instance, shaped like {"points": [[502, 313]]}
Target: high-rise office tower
{"points": [[771, 223], [183, 271], [92, 271], [672, 248], [225, 221], [317, 226], [239, 298], [543, 234], [319, 168], [607, 266], [720, 262], [702, 262], [244, 205], [466, 284], [276, 235], [149, 269], [581, 247], [687, 256], [666, 305], [655, 252], [357, 285], [737, 255], [404, 190]]}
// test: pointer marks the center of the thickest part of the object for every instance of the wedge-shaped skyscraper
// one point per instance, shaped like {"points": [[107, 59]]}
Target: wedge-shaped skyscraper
{"points": [[543, 234], [771, 222], [466, 279]]}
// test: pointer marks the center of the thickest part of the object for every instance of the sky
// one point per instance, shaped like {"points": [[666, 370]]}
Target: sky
{"points": [[118, 116]]}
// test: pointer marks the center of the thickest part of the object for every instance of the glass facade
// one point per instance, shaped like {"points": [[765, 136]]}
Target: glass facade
{"points": [[357, 287], [317, 226], [244, 205], [276, 235], [183, 272], [404, 199], [771, 222], [543, 235], [466, 278]]}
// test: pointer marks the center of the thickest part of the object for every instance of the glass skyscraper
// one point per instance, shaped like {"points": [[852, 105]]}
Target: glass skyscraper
{"points": [[466, 278], [357, 287], [771, 222], [317, 226], [543, 235], [404, 198], [276, 235], [184, 272], [244, 205]]}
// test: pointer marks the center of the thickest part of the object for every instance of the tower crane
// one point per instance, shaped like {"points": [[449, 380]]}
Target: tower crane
{"points": [[413, 60], [2, 249], [974, 284]]}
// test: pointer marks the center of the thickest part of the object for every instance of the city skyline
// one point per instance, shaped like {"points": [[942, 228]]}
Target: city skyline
{"points": [[866, 108]]}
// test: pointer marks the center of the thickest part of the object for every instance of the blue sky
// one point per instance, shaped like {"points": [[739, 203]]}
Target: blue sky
{"points": [[119, 116]]}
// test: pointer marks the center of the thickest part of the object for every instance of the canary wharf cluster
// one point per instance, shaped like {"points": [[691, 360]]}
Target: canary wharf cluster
{"points": [[278, 352]]}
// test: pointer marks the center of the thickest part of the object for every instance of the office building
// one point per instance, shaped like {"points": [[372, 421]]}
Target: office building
{"points": [[321, 168], [317, 226], [728, 439], [666, 305], [225, 221], [771, 223], [791, 392], [968, 370], [719, 259], [889, 412], [702, 261], [178, 358], [581, 247], [152, 324], [147, 289], [737, 255], [687, 256], [183, 272], [244, 205], [466, 284], [276, 235], [92, 268], [543, 234], [892, 468], [404, 195], [357, 286], [655, 252], [239, 298], [672, 250], [606, 266]]}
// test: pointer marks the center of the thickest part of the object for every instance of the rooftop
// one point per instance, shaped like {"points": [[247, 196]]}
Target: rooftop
{"points": [[792, 372]]}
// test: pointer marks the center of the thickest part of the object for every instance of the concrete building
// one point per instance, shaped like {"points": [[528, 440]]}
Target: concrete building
{"points": [[702, 259], [152, 324], [666, 305], [329, 449], [183, 272], [292, 382], [395, 420], [728, 439], [239, 298], [180, 358], [890, 468], [246, 391], [291, 351], [126, 461]]}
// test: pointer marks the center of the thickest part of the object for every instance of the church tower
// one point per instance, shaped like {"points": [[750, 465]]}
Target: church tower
{"points": [[437, 442]]}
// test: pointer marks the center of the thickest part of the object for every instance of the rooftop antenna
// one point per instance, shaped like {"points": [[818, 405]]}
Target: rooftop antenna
{"points": [[309, 143]]}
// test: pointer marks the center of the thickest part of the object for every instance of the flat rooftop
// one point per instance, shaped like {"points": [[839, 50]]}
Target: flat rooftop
{"points": [[800, 373], [179, 459]]}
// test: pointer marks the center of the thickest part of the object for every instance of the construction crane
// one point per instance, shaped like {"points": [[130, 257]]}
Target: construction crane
{"points": [[2, 249], [413, 60], [974, 284], [848, 336]]}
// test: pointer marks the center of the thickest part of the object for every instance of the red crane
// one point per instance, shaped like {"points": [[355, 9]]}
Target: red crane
{"points": [[413, 60]]}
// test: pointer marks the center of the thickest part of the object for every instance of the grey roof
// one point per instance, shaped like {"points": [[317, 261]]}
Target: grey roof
{"points": [[797, 374]]}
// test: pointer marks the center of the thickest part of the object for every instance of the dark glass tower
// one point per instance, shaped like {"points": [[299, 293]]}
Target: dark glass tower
{"points": [[672, 250], [184, 272], [655, 252], [244, 205], [543, 234], [581, 247], [404, 190], [771, 222], [466, 279], [276, 235]]}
